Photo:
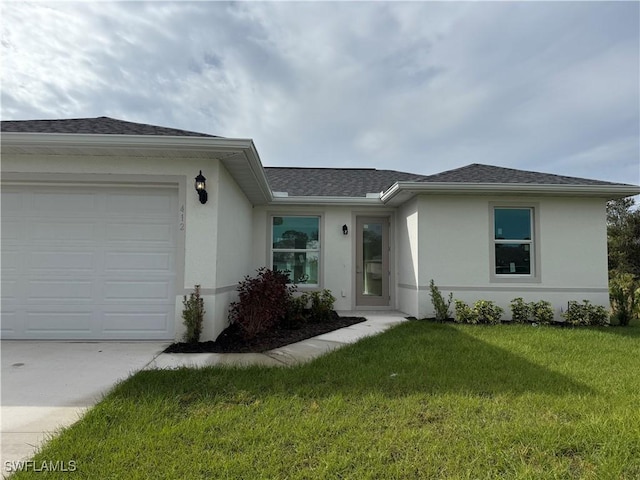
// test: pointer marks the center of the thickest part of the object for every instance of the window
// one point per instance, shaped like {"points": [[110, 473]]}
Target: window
{"points": [[513, 241], [296, 248]]}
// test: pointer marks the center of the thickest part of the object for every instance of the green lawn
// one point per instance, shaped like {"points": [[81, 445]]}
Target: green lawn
{"points": [[423, 400]]}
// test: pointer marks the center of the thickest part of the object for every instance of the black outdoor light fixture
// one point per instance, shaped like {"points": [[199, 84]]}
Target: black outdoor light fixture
{"points": [[345, 229], [201, 188]]}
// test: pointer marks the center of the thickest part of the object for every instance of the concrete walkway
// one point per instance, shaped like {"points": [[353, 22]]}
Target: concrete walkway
{"points": [[48, 385], [293, 354]]}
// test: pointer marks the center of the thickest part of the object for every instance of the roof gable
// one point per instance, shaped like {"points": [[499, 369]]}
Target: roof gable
{"points": [[99, 126]]}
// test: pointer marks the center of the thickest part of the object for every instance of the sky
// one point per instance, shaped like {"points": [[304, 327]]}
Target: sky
{"points": [[420, 87]]}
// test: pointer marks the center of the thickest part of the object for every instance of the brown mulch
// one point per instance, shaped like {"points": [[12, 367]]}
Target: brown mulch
{"points": [[232, 341]]}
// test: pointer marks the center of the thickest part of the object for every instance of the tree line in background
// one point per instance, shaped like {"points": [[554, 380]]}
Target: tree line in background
{"points": [[623, 241]]}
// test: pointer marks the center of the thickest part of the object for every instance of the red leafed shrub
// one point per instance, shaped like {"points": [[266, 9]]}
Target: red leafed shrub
{"points": [[263, 301]]}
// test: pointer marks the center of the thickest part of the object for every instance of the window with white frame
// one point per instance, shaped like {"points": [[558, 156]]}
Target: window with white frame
{"points": [[295, 247], [513, 240]]}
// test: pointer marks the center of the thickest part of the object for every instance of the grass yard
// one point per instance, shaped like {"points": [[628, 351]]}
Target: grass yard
{"points": [[423, 400]]}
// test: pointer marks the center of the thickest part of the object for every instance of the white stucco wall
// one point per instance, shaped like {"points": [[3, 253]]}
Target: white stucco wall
{"points": [[455, 243], [199, 236], [337, 271], [407, 250], [233, 247]]}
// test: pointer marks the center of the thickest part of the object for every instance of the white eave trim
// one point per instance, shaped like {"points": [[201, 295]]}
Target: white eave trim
{"points": [[321, 200], [418, 188], [147, 142]]}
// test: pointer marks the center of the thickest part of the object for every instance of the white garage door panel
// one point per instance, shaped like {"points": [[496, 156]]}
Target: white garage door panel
{"points": [[154, 262], [145, 202], [138, 291], [150, 234], [59, 291], [88, 263], [61, 323], [122, 325], [49, 262], [62, 231]]}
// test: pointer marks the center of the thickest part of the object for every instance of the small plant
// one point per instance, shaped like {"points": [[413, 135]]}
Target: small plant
{"points": [[542, 312], [521, 311], [599, 316], [296, 310], [585, 314], [193, 315], [322, 305], [487, 312], [464, 313], [441, 307], [263, 301], [624, 292]]}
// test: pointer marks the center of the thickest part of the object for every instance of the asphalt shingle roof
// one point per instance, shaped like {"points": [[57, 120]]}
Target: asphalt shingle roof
{"points": [[337, 182], [99, 125], [479, 173], [334, 182]]}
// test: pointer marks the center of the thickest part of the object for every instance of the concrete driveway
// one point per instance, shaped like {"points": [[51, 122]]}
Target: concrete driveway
{"points": [[48, 385]]}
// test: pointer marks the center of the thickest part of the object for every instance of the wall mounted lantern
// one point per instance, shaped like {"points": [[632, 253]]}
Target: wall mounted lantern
{"points": [[345, 229], [201, 187]]}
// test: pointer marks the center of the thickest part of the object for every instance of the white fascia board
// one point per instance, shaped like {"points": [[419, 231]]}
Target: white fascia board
{"points": [[149, 142], [257, 171], [417, 188], [318, 200]]}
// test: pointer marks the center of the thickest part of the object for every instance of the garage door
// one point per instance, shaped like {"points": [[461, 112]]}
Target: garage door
{"points": [[88, 263]]}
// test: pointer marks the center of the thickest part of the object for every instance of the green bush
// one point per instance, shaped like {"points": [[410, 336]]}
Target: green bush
{"points": [[464, 313], [263, 302], [193, 315], [521, 311], [441, 307], [488, 312], [483, 311], [542, 312], [297, 311], [624, 293], [322, 305], [585, 314]]}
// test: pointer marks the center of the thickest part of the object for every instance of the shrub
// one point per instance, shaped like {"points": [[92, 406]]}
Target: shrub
{"points": [[624, 292], [296, 310], [599, 316], [542, 312], [520, 310], [441, 307], [322, 305], [585, 314], [464, 313], [263, 301], [487, 312], [193, 315]]}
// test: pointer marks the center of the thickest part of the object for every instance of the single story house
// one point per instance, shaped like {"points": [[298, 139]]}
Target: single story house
{"points": [[103, 231]]}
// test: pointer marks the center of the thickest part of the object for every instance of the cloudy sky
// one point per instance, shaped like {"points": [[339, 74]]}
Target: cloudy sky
{"points": [[420, 87]]}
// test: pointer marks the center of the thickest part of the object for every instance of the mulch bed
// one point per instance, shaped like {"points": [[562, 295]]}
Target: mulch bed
{"points": [[232, 341]]}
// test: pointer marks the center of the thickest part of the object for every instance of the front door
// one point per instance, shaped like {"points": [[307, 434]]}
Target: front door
{"points": [[372, 262]]}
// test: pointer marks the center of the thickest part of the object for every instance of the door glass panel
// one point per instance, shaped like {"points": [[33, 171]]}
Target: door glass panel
{"points": [[372, 271]]}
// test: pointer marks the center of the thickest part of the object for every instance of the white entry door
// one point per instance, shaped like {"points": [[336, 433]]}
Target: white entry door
{"points": [[372, 262], [88, 263]]}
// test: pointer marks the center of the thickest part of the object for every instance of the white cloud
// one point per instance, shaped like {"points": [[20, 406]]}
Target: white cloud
{"points": [[413, 86]]}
